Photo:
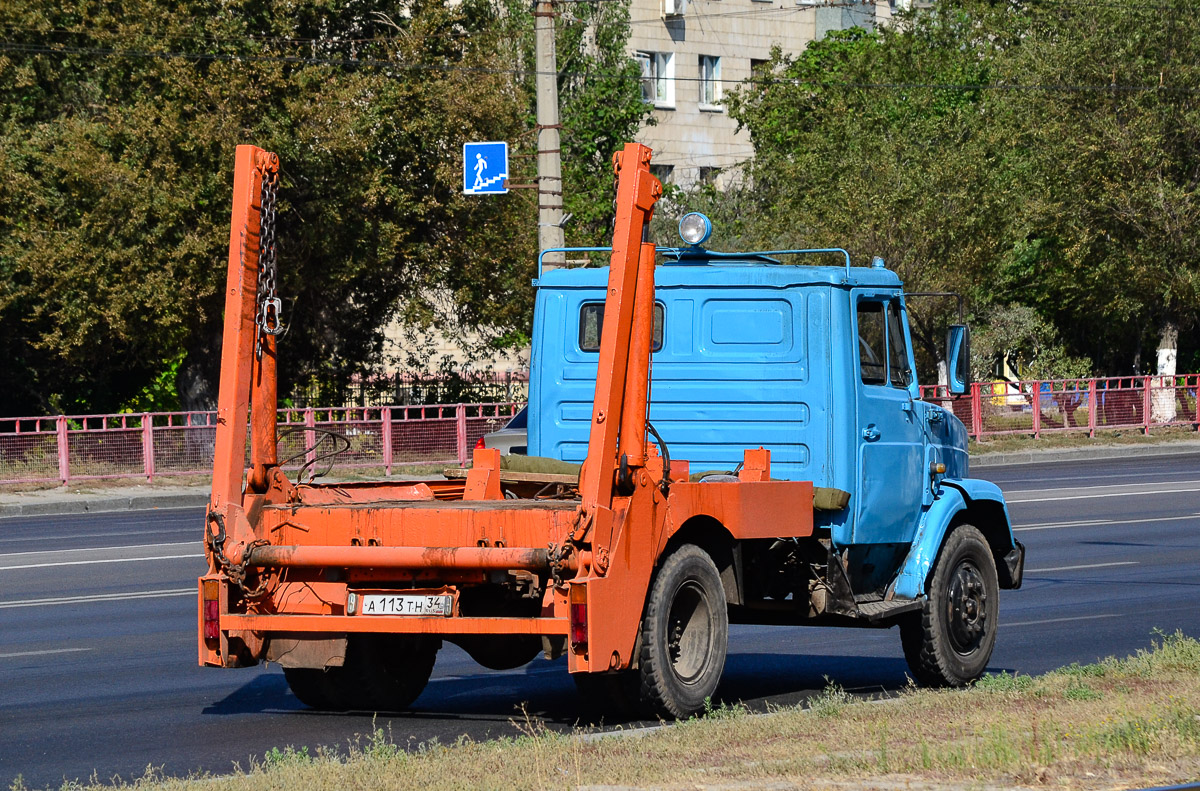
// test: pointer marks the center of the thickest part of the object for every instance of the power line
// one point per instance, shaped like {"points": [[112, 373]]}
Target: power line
{"points": [[42, 49]]}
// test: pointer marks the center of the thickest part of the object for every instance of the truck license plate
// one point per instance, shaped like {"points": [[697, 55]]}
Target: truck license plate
{"points": [[407, 604]]}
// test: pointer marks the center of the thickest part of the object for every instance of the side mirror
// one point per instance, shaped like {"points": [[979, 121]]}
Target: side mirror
{"points": [[958, 358]]}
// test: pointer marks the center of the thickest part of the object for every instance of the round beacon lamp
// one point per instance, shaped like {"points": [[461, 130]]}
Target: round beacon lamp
{"points": [[695, 228]]}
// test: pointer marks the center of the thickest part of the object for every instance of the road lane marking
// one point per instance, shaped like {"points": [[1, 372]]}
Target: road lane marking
{"points": [[1061, 620], [127, 547], [154, 594], [121, 554], [1084, 566], [1009, 498], [134, 514], [47, 652], [1016, 481], [108, 534], [1104, 522], [92, 562]]}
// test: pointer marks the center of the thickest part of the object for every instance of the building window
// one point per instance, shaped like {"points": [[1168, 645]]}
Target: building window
{"points": [[710, 81], [662, 172], [708, 175], [658, 78]]}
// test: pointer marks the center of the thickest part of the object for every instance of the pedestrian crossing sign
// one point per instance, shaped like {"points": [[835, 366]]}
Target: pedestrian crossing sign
{"points": [[485, 168]]}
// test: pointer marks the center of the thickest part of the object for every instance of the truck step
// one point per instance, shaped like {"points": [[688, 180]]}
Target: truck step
{"points": [[880, 610]]}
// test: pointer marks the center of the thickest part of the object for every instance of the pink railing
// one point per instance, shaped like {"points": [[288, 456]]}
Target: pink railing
{"points": [[156, 444], [1036, 407]]}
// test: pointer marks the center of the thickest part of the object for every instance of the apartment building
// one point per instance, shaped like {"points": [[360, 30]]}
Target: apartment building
{"points": [[693, 51]]}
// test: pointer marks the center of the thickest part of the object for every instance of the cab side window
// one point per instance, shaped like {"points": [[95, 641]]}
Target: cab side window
{"points": [[872, 343], [882, 351], [898, 370]]}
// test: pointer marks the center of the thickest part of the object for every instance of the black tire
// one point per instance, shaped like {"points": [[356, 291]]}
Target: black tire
{"points": [[949, 642], [381, 673], [685, 633], [312, 687], [609, 696]]}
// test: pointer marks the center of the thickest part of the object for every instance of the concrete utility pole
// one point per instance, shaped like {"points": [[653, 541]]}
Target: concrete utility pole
{"points": [[550, 184]]}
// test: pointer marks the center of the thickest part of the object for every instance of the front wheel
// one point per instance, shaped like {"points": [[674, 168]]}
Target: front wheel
{"points": [[949, 642], [685, 633]]}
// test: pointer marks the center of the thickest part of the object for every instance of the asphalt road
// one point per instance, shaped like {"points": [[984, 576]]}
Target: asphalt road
{"points": [[98, 672]]}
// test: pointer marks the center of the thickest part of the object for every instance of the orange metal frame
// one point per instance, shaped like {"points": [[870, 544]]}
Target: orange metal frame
{"points": [[313, 544]]}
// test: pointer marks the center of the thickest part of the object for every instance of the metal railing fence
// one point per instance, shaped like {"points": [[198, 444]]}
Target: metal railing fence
{"points": [[153, 445], [1036, 407]]}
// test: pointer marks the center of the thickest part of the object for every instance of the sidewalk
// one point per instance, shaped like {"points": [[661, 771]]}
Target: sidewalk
{"points": [[107, 497]]}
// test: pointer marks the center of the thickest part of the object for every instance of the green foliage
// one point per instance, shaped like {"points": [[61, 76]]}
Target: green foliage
{"points": [[1031, 343], [832, 700], [1078, 690], [117, 130], [288, 756], [977, 148], [1004, 682], [116, 174], [161, 394]]}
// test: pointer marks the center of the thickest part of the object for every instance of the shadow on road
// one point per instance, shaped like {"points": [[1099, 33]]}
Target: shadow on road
{"points": [[545, 692]]}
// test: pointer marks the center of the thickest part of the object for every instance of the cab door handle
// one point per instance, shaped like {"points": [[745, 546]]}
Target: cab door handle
{"points": [[870, 433]]}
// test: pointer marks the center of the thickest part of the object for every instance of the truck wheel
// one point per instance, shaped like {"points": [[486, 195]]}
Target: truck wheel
{"points": [[382, 673], [949, 641], [609, 695], [685, 633], [311, 687]]}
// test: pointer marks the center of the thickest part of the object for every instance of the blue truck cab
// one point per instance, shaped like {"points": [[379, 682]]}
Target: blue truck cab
{"points": [[806, 355]]}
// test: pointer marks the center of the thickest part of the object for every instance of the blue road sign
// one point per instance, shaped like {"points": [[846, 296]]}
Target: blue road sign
{"points": [[485, 167]]}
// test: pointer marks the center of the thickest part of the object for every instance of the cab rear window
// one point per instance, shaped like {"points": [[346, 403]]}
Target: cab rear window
{"points": [[591, 324]]}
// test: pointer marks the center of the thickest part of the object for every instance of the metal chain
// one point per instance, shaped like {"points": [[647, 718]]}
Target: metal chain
{"points": [[236, 572], [269, 314]]}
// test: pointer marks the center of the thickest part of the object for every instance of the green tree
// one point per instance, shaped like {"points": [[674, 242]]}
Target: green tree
{"points": [[1109, 244], [879, 142], [117, 129], [1029, 155]]}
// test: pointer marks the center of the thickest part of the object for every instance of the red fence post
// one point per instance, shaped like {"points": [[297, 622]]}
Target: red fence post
{"points": [[460, 425], [1146, 405], [310, 437], [1092, 408], [976, 411], [148, 445], [64, 461], [1037, 410], [386, 416]]}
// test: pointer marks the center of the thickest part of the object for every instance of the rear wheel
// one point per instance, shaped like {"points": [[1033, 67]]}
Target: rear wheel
{"points": [[685, 633], [609, 695], [949, 642], [381, 673]]}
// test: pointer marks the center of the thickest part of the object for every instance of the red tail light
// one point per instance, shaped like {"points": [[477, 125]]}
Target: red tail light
{"points": [[479, 445], [212, 609]]}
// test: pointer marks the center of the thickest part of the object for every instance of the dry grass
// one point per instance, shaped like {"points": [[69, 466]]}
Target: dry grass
{"points": [[1115, 724], [1055, 441]]}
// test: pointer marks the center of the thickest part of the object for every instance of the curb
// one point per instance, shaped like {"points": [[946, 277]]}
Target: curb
{"points": [[102, 505], [1099, 453]]}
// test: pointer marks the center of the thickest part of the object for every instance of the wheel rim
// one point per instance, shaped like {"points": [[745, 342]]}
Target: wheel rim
{"points": [[689, 632], [966, 608]]}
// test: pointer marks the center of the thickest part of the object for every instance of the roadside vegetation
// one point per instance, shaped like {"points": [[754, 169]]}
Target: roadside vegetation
{"points": [[1114, 724], [1036, 159]]}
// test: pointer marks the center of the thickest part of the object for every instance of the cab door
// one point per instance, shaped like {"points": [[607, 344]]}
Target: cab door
{"points": [[890, 438]]}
